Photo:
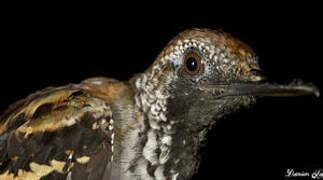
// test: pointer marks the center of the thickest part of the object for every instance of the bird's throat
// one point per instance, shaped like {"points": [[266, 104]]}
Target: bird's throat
{"points": [[160, 146]]}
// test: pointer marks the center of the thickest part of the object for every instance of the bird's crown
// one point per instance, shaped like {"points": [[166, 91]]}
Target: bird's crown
{"points": [[199, 54]]}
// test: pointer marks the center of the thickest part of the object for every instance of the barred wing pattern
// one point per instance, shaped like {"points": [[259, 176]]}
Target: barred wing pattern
{"points": [[58, 133]]}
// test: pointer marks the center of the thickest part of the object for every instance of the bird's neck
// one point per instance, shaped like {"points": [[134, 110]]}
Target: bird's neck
{"points": [[160, 147]]}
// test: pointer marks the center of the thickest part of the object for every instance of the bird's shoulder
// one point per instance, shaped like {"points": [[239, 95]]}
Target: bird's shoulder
{"points": [[59, 132]]}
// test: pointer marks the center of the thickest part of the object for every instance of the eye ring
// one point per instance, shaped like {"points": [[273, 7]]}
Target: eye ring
{"points": [[192, 63]]}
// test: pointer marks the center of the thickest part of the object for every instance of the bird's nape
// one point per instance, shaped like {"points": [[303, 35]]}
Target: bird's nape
{"points": [[150, 127]]}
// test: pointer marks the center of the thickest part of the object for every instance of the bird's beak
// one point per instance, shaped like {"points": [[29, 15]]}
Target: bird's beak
{"points": [[264, 89]]}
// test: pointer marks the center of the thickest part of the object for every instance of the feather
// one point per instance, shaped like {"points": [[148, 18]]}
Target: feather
{"points": [[59, 133]]}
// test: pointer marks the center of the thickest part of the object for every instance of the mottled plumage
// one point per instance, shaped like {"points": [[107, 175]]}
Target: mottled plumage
{"points": [[150, 127]]}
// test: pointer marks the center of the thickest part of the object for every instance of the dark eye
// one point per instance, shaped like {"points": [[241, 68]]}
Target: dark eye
{"points": [[192, 63]]}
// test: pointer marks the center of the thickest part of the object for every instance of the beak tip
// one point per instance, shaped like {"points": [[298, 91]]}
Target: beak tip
{"points": [[317, 92], [312, 89]]}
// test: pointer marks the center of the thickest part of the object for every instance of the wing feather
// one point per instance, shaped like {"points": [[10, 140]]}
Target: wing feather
{"points": [[58, 133]]}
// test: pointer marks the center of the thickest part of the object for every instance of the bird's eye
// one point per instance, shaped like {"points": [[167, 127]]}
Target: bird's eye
{"points": [[192, 63]]}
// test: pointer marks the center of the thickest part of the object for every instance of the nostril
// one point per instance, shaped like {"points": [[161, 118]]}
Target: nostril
{"points": [[256, 71], [218, 91], [257, 75]]}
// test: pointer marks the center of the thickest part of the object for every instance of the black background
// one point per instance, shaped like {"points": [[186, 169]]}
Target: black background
{"points": [[53, 47]]}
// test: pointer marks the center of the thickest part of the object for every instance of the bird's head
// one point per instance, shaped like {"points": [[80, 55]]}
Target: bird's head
{"points": [[203, 74]]}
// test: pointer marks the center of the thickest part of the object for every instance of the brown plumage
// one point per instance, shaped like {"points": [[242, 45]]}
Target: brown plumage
{"points": [[43, 130], [150, 127]]}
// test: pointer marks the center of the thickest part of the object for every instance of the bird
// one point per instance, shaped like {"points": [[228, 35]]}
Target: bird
{"points": [[150, 127]]}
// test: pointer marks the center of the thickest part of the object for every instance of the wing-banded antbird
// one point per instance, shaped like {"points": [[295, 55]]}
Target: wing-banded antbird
{"points": [[150, 127]]}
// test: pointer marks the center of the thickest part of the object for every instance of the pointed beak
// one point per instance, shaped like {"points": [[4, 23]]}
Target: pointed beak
{"points": [[264, 89]]}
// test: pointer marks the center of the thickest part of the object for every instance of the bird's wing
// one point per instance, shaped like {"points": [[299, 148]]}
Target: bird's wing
{"points": [[59, 133]]}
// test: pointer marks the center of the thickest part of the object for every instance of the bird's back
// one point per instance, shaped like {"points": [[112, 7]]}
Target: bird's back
{"points": [[59, 133]]}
